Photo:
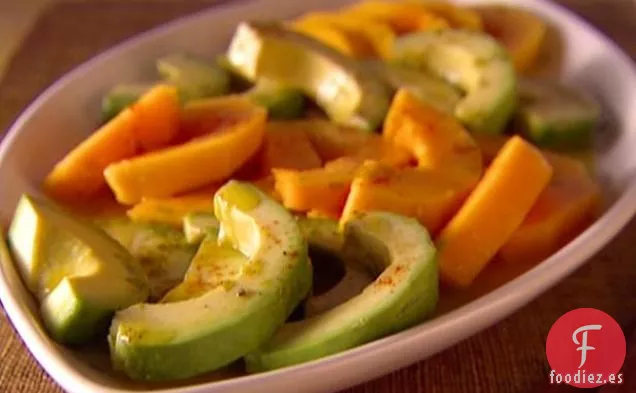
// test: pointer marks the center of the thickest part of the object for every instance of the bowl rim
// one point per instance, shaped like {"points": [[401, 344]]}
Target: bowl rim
{"points": [[495, 305]]}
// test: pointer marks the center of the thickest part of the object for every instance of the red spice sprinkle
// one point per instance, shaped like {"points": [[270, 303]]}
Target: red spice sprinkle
{"points": [[385, 281], [381, 179]]}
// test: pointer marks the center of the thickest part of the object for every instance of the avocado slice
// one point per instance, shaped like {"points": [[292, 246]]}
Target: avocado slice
{"points": [[424, 85], [349, 93], [281, 101], [322, 233], [162, 251], [404, 294], [554, 115], [325, 243], [195, 78], [350, 285], [263, 274], [326, 247], [474, 62], [196, 226], [238, 83], [121, 97], [79, 274]]}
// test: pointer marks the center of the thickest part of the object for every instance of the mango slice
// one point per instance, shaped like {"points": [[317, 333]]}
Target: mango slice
{"points": [[492, 212], [521, 32], [206, 159]]}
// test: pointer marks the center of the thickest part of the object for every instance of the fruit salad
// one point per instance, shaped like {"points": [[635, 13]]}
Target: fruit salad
{"points": [[407, 141]]}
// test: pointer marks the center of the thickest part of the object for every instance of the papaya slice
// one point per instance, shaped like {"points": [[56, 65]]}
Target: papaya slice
{"points": [[490, 144], [492, 212], [379, 149], [457, 17], [403, 17], [151, 123], [157, 113], [287, 147], [172, 210], [426, 195], [267, 184], [206, 159], [562, 211], [323, 190], [520, 31], [339, 39], [436, 140], [377, 36]]}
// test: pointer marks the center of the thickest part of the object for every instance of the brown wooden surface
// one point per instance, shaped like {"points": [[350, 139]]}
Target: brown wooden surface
{"points": [[509, 357]]}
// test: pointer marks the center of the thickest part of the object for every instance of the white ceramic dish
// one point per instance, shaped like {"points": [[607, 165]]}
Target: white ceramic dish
{"points": [[66, 112]]}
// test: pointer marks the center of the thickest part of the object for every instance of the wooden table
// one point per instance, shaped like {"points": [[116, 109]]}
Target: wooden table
{"points": [[509, 357]]}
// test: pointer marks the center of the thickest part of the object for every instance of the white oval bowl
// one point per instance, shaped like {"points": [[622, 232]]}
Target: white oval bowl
{"points": [[66, 113]]}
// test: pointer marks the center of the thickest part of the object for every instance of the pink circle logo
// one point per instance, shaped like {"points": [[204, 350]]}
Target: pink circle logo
{"points": [[586, 348]]}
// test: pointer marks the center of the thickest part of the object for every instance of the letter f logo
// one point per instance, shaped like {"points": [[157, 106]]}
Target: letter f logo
{"points": [[584, 347]]}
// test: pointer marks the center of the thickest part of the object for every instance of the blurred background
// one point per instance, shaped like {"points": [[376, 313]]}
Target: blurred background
{"points": [[16, 18]]}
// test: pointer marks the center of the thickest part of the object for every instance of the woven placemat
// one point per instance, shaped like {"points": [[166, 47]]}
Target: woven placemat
{"points": [[509, 357]]}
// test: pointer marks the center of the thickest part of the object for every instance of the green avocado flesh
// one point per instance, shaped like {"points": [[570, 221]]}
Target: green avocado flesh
{"points": [[162, 251], [195, 78], [352, 283], [556, 116], [404, 294], [79, 273], [474, 62], [427, 87], [326, 246], [322, 233], [196, 226], [121, 97], [237, 292], [349, 93], [281, 101]]}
